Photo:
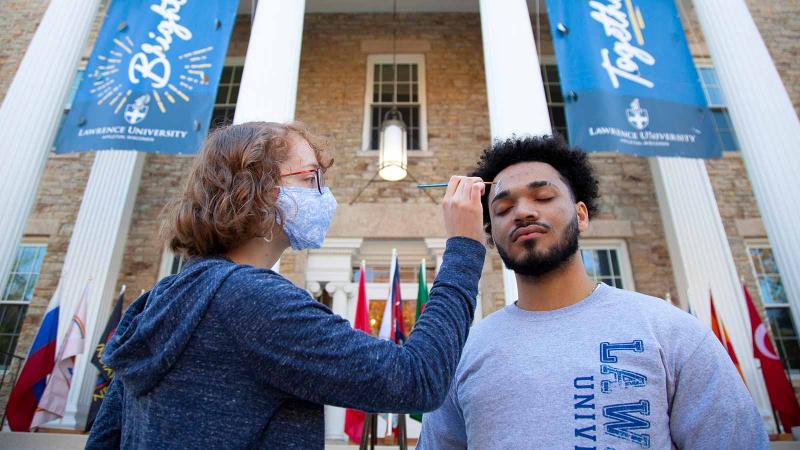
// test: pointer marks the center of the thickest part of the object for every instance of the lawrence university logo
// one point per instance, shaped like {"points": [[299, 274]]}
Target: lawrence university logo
{"points": [[137, 111], [637, 116]]}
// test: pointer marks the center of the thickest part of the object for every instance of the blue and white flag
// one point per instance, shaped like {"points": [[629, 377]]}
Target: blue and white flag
{"points": [[151, 82], [628, 79]]}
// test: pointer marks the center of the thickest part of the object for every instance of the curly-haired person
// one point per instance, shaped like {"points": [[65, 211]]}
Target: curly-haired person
{"points": [[228, 354], [574, 363]]}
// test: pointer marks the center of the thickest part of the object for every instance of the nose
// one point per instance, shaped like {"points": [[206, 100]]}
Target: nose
{"points": [[526, 211]]}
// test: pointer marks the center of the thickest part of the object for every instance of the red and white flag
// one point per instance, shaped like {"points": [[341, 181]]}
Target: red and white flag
{"points": [[54, 399], [781, 393], [354, 419]]}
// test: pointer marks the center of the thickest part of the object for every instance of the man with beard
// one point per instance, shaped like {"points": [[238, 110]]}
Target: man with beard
{"points": [[573, 363]]}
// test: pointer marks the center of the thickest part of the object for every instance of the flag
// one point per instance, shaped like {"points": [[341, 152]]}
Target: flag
{"points": [[422, 291], [106, 375], [27, 393], [354, 419], [722, 334], [779, 388], [399, 329], [422, 300], [54, 398], [392, 327]]}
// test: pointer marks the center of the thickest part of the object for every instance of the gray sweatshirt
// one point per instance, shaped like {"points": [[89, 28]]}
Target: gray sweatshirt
{"points": [[617, 370]]}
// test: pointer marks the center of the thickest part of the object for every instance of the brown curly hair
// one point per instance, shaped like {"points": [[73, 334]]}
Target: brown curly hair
{"points": [[227, 198]]}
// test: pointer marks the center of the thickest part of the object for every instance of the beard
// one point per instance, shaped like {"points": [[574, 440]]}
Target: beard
{"points": [[535, 263]]}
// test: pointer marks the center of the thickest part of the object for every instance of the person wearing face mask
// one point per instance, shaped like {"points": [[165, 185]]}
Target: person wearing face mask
{"points": [[229, 354]]}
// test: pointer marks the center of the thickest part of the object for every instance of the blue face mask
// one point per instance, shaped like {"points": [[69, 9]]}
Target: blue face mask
{"points": [[307, 214]]}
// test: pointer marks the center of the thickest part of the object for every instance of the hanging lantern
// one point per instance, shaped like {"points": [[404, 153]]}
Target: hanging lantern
{"points": [[393, 159]]}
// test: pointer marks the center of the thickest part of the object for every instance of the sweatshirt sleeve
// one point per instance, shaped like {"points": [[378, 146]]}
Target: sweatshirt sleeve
{"points": [[107, 427], [444, 429], [297, 345], [711, 407]]}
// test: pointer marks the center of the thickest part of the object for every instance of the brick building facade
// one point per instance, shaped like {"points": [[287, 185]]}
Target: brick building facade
{"points": [[331, 99]]}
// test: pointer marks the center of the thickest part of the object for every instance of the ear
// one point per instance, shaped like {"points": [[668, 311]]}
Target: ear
{"points": [[583, 216], [275, 193], [489, 238]]}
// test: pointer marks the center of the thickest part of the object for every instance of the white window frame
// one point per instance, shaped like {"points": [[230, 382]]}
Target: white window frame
{"points": [[621, 247], [234, 61], [167, 259], [29, 242], [716, 107], [386, 58], [764, 243]]}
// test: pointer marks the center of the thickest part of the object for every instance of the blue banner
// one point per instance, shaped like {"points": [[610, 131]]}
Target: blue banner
{"points": [[152, 79], [628, 79]]}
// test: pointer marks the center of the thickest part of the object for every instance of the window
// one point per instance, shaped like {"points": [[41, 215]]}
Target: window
{"points": [[779, 314], [227, 93], [18, 293], [719, 111], [403, 88], [607, 261], [170, 263], [73, 91], [555, 99]]}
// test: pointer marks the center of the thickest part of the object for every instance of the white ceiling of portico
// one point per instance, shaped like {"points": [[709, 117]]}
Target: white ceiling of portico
{"points": [[385, 6]]}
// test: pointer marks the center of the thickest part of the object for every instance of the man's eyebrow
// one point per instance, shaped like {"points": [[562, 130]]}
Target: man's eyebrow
{"points": [[500, 195], [539, 184], [532, 185]]}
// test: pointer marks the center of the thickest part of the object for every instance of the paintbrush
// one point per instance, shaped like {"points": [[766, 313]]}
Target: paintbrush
{"points": [[434, 185]]}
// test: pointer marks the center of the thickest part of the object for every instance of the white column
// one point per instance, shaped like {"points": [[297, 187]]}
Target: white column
{"points": [[32, 111], [268, 91], [766, 125], [342, 295], [702, 260], [436, 246], [514, 89], [95, 250], [314, 288], [334, 416], [269, 82]]}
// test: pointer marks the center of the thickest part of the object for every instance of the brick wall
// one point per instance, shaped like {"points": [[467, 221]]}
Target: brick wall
{"points": [[331, 99]]}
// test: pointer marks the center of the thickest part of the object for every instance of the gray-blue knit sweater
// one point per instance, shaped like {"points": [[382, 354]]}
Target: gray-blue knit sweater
{"points": [[231, 356]]}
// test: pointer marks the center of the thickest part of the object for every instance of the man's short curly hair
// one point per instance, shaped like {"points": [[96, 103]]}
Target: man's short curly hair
{"points": [[571, 163]]}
